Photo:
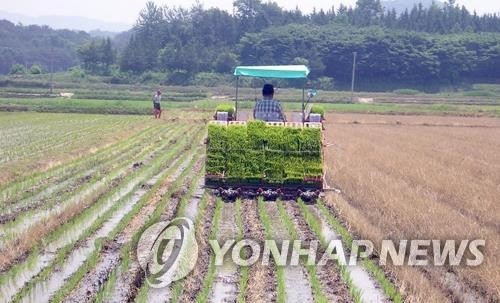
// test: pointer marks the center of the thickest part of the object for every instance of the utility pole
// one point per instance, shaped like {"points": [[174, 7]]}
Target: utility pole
{"points": [[353, 73], [51, 62]]}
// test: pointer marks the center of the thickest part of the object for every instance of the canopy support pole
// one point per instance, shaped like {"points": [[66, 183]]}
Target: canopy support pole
{"points": [[236, 105], [303, 103]]}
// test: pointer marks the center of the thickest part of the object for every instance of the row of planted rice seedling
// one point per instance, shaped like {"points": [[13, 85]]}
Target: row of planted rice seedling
{"points": [[178, 208], [375, 271], [208, 281], [168, 207], [61, 236], [256, 153], [111, 174], [268, 230], [178, 172], [29, 187], [158, 164], [94, 257], [39, 142], [62, 183], [40, 137], [315, 226]]}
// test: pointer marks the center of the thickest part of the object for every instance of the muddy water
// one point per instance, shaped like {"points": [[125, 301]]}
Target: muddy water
{"points": [[191, 210], [370, 291], [25, 273], [225, 288], [297, 287], [92, 282], [47, 288]]}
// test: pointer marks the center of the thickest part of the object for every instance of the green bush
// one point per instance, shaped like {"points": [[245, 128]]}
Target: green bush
{"points": [[17, 69], [318, 109], [324, 83], [77, 73], [36, 69], [406, 91], [258, 152], [229, 108]]}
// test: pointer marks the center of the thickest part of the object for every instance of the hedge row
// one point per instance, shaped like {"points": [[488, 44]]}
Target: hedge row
{"points": [[257, 152]]}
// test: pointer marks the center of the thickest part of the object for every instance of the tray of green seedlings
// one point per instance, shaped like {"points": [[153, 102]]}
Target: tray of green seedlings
{"points": [[318, 109], [229, 108], [257, 154]]}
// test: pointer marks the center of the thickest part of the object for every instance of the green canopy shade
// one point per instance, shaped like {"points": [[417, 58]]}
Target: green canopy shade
{"points": [[273, 71]]}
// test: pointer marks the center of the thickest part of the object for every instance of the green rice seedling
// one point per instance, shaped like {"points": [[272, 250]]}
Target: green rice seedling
{"points": [[318, 109], [160, 209], [318, 293], [257, 152], [225, 107], [126, 250]]}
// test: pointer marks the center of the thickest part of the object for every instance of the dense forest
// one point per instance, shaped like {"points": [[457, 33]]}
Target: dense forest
{"points": [[439, 44], [425, 46], [40, 46]]}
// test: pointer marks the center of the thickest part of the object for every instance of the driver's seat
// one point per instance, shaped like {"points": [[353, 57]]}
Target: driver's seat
{"points": [[268, 116]]}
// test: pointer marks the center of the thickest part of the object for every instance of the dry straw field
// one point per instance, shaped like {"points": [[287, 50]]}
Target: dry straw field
{"points": [[421, 177]]}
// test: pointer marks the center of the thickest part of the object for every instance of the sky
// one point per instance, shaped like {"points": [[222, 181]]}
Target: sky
{"points": [[126, 11]]}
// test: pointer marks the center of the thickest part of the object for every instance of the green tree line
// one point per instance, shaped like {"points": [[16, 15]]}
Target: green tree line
{"points": [[35, 45], [439, 44], [434, 45]]}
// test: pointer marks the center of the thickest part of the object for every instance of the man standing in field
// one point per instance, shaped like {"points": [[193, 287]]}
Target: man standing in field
{"points": [[268, 109], [156, 105]]}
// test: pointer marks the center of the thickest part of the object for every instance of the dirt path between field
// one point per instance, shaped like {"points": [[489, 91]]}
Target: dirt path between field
{"points": [[225, 288], [332, 284], [361, 279], [261, 279], [297, 286]]}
